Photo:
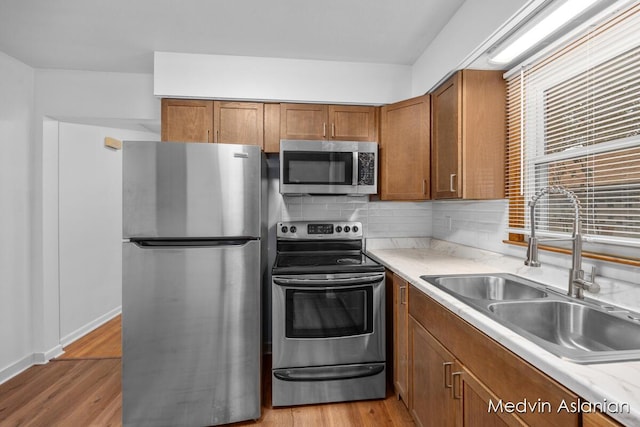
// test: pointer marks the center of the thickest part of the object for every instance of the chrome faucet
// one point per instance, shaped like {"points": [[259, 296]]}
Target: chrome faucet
{"points": [[577, 283]]}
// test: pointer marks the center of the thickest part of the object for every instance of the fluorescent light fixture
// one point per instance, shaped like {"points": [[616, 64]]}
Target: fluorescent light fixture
{"points": [[552, 22]]}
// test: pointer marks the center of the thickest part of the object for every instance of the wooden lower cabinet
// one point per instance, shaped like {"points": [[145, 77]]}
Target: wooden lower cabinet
{"points": [[456, 372], [596, 419], [443, 392], [401, 338], [431, 400], [476, 398]]}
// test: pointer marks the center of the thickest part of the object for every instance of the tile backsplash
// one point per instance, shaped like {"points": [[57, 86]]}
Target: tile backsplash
{"points": [[379, 219], [480, 224]]}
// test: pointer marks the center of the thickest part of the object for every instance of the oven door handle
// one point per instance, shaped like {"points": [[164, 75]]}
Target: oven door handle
{"points": [[329, 373], [366, 280]]}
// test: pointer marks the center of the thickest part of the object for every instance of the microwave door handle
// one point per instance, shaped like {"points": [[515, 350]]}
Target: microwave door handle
{"points": [[354, 180]]}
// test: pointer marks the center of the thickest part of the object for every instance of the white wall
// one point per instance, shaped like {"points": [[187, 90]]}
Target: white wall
{"points": [[16, 118], [69, 95], [278, 79], [124, 100], [90, 232], [473, 23]]}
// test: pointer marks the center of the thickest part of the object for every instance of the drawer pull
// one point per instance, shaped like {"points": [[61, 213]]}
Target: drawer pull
{"points": [[458, 394], [447, 375]]}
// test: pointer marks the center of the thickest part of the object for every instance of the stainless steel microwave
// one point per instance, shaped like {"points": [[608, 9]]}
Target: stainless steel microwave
{"points": [[328, 167]]}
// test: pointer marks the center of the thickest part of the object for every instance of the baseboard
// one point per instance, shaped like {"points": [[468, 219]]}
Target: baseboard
{"points": [[15, 368], [43, 358], [82, 331]]}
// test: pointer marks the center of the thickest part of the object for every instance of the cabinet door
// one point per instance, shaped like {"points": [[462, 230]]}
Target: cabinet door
{"points": [[405, 150], [352, 123], [187, 120], [475, 398], [446, 139], [239, 123], [303, 121], [504, 373], [401, 338], [271, 128], [483, 134], [596, 419], [430, 395]]}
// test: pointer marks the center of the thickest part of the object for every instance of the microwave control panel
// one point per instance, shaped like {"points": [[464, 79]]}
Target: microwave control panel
{"points": [[366, 168]]}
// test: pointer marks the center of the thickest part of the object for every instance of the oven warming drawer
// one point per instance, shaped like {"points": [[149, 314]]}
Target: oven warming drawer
{"points": [[301, 386]]}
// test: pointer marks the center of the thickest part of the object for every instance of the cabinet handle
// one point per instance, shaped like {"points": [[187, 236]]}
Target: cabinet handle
{"points": [[217, 135], [324, 129], [208, 135], [424, 186], [447, 367], [458, 394], [333, 130], [403, 295], [451, 178]]}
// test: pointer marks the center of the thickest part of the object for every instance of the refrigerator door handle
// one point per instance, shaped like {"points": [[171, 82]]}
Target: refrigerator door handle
{"points": [[201, 243]]}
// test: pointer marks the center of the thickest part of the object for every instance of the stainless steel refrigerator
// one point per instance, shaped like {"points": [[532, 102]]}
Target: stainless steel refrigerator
{"points": [[193, 261]]}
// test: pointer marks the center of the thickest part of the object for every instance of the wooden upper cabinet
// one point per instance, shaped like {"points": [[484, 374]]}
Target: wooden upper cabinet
{"points": [[271, 128], [186, 120], [405, 150], [468, 136], [352, 123], [190, 120], [238, 123], [329, 122], [446, 139], [303, 121]]}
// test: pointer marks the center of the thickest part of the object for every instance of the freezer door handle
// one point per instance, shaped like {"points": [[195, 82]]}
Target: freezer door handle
{"points": [[328, 373], [212, 243]]}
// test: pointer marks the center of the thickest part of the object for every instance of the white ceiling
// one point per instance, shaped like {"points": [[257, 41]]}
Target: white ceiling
{"points": [[121, 35]]}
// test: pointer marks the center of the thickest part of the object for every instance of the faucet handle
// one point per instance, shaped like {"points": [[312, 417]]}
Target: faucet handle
{"points": [[593, 287]]}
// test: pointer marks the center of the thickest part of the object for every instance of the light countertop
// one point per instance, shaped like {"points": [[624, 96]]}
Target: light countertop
{"points": [[608, 383]]}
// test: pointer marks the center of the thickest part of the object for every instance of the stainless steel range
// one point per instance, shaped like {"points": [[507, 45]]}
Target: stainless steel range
{"points": [[328, 316]]}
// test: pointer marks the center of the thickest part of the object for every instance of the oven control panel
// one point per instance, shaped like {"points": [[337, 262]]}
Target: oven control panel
{"points": [[319, 230]]}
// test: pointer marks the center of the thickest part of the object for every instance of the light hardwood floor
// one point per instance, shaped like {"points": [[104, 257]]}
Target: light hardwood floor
{"points": [[83, 388]]}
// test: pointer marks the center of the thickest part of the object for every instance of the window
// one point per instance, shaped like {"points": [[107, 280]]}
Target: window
{"points": [[573, 119]]}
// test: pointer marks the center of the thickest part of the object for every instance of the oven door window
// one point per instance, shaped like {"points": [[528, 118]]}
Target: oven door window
{"points": [[329, 313], [317, 167]]}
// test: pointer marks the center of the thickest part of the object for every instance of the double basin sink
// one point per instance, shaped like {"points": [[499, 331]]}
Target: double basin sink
{"points": [[582, 331]]}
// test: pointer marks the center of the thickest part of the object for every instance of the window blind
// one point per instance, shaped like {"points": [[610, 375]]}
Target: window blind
{"points": [[573, 119]]}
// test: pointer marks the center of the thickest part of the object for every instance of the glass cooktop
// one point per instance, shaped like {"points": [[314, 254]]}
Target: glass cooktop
{"points": [[324, 262]]}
